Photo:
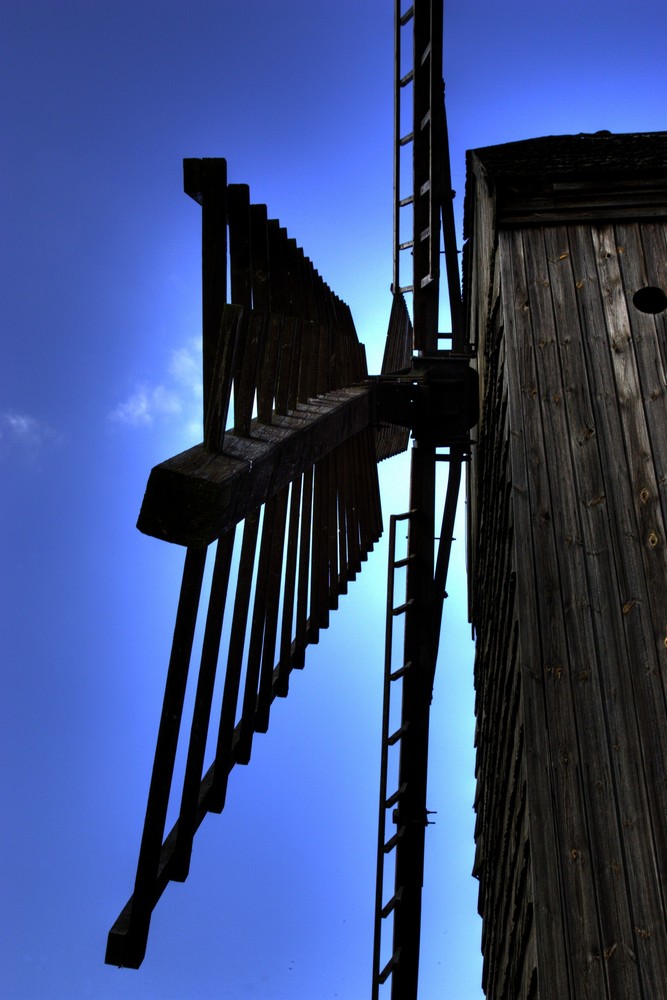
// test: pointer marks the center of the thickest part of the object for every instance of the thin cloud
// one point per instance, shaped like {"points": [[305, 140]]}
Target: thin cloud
{"points": [[185, 367], [178, 395], [145, 405], [25, 432]]}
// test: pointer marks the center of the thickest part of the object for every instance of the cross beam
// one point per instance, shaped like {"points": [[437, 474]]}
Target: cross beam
{"points": [[197, 496]]}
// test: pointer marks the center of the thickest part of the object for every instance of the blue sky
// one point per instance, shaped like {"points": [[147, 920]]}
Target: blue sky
{"points": [[99, 285]]}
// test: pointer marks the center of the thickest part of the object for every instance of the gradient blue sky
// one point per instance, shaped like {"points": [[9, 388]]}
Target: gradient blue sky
{"points": [[99, 381]]}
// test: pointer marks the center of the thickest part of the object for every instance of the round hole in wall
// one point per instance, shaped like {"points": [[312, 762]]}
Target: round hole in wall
{"points": [[650, 299]]}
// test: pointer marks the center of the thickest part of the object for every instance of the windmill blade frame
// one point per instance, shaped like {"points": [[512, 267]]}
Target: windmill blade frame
{"points": [[293, 431]]}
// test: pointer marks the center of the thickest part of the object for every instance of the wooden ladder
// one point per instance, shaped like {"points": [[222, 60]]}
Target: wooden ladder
{"points": [[386, 847], [429, 196]]}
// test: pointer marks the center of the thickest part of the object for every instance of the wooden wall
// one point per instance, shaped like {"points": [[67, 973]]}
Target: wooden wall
{"points": [[569, 566]]}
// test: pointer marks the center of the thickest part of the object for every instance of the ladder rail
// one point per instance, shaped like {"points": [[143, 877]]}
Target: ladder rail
{"points": [[399, 140], [431, 196], [386, 802]]}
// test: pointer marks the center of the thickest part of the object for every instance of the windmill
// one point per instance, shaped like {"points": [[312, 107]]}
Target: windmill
{"points": [[282, 496]]}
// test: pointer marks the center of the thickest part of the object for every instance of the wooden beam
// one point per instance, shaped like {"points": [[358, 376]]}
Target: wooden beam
{"points": [[195, 497]]}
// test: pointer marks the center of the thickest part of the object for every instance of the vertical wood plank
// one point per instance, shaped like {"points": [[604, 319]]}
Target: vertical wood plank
{"points": [[302, 636], [246, 727], [260, 262], [289, 590], [187, 819], [224, 759], [247, 371], [222, 371], [167, 741], [524, 459], [266, 681], [269, 367], [240, 255], [206, 181]]}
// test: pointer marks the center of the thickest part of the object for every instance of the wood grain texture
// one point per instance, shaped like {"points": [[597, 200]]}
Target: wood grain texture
{"points": [[198, 495], [569, 578]]}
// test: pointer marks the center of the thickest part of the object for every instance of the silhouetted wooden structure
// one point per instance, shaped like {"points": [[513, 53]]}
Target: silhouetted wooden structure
{"points": [[565, 298], [293, 431], [565, 284], [296, 470]]}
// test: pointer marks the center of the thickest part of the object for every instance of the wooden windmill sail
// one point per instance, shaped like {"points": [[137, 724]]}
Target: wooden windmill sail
{"points": [[293, 431]]}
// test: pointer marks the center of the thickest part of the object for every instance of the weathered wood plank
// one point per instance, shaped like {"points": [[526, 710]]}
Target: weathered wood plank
{"points": [[224, 757], [391, 439], [640, 550], [531, 537], [221, 372], [264, 698], [165, 751], [269, 367], [206, 181], [255, 642], [249, 352], [289, 590], [196, 496], [201, 716], [260, 259], [240, 251], [303, 625], [601, 907]]}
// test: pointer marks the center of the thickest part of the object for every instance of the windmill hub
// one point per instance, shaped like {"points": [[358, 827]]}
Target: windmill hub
{"points": [[436, 398]]}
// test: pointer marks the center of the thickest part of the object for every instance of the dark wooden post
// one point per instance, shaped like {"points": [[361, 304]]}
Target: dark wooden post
{"points": [[419, 653], [206, 182]]}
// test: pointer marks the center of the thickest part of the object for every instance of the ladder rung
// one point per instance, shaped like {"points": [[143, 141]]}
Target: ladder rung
{"points": [[406, 288], [426, 119], [426, 281], [391, 843], [389, 967], [425, 233], [426, 53], [391, 905], [396, 736], [425, 187], [405, 80], [393, 799], [406, 17], [408, 137], [404, 562], [401, 670], [404, 246], [406, 201], [402, 608]]}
